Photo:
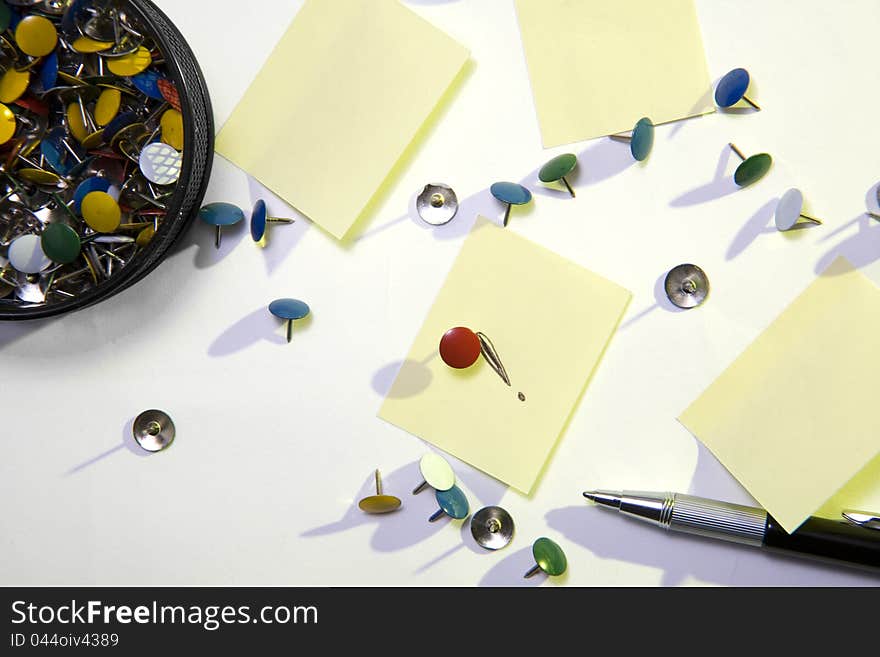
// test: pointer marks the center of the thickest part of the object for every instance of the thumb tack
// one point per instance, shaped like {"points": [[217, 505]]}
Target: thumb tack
{"points": [[437, 204], [453, 503], [460, 347], [687, 286], [789, 210], [260, 218], [60, 243], [641, 139], [26, 254], [153, 430], [752, 168], [436, 473], [511, 194], [379, 503], [492, 527], [557, 169], [218, 215], [732, 88], [549, 557], [289, 309]]}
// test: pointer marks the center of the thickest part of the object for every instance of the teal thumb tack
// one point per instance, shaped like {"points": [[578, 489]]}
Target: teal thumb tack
{"points": [[219, 215], [436, 473], [752, 168], [453, 503], [379, 503], [557, 169], [492, 527], [260, 218], [153, 430], [290, 310], [511, 194], [549, 557], [790, 209], [641, 139], [732, 88]]}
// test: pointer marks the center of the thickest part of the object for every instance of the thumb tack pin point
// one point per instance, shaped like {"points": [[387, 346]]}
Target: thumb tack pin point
{"points": [[289, 309], [752, 168], [437, 204], [549, 557], [557, 169], [218, 215], [492, 527], [436, 473], [379, 503], [511, 194], [260, 218], [789, 210], [453, 503], [641, 139], [687, 286], [732, 88], [153, 430]]}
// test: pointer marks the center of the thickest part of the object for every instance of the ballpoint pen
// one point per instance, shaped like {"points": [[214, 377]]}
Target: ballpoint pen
{"points": [[853, 541]]}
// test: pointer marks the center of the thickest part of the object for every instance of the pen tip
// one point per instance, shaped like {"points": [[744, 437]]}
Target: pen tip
{"points": [[589, 495]]}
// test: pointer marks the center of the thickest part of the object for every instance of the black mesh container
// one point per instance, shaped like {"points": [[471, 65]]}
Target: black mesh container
{"points": [[183, 70]]}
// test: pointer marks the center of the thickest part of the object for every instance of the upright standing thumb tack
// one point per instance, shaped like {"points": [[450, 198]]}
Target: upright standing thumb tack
{"points": [[686, 286], [752, 168], [732, 88], [557, 169], [453, 503], [153, 430], [549, 557], [218, 215], [789, 210], [437, 204], [436, 473], [492, 527], [379, 503], [641, 140]]}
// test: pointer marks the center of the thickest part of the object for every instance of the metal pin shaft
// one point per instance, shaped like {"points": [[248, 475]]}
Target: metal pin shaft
{"points": [[418, 489], [751, 102], [737, 151], [436, 515], [532, 571], [567, 186], [507, 214], [290, 335], [812, 219], [378, 483]]}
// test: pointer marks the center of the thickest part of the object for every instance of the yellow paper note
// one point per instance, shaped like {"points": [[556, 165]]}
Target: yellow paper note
{"points": [[336, 104], [549, 321], [598, 66], [793, 418]]}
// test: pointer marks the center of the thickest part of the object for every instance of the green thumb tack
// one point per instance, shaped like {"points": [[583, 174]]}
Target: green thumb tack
{"points": [[752, 168], [549, 557], [557, 169]]}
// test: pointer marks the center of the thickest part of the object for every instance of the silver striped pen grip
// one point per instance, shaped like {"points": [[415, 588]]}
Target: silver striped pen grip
{"points": [[729, 522]]}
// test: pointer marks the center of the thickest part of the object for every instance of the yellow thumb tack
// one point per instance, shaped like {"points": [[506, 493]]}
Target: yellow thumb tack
{"points": [[379, 503], [130, 64], [7, 124], [101, 212], [36, 36], [171, 125], [13, 85]]}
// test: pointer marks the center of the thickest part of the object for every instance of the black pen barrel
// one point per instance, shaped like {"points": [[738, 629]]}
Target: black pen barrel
{"points": [[827, 540]]}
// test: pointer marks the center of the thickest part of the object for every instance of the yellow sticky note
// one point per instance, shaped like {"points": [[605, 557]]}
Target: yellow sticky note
{"points": [[598, 66], [337, 103], [793, 418], [549, 320]]}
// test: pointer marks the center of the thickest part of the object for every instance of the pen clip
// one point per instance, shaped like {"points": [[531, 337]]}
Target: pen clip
{"points": [[863, 519]]}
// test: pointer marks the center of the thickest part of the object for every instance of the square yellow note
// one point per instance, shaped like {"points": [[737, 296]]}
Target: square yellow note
{"points": [[598, 66], [549, 321], [337, 103], [793, 418]]}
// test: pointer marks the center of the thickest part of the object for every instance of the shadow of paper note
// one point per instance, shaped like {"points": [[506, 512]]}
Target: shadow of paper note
{"points": [[757, 224], [128, 443], [704, 101], [412, 378], [721, 185], [393, 531]]}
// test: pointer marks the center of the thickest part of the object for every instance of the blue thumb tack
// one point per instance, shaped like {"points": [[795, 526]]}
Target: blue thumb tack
{"points": [[220, 214], [511, 194], [732, 88], [289, 309], [453, 503], [260, 218], [641, 139]]}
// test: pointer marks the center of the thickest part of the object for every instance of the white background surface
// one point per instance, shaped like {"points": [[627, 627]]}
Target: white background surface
{"points": [[277, 442]]}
